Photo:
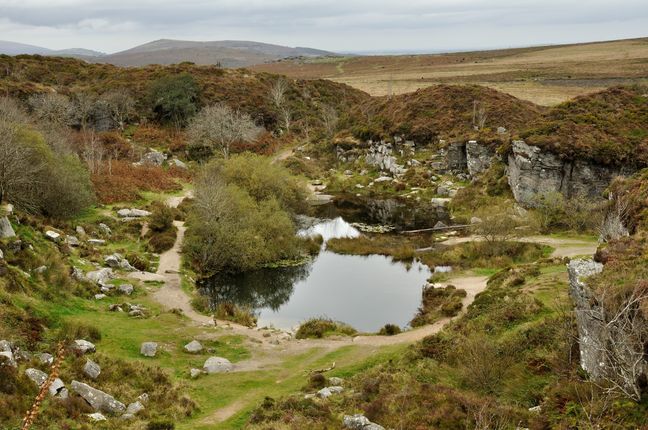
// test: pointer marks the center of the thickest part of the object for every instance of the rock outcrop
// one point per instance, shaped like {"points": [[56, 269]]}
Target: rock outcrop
{"points": [[478, 157], [534, 172], [589, 329], [6, 230], [99, 400]]}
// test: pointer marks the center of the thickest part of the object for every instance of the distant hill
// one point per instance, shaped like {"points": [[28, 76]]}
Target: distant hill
{"points": [[15, 48], [227, 53]]}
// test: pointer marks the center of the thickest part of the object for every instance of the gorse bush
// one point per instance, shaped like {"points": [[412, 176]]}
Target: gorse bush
{"points": [[317, 328], [239, 219]]}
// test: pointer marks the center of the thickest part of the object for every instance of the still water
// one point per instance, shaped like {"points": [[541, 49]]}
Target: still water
{"points": [[365, 292]]}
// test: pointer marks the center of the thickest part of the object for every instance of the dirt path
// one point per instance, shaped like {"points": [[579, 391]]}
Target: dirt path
{"points": [[562, 247]]}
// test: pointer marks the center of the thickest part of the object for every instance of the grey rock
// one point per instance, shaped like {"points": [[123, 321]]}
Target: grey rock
{"points": [[217, 365], [590, 331], [360, 422], [533, 172], [105, 229], [476, 220], [134, 408], [98, 399], [5, 346], [96, 417], [40, 269], [149, 349], [478, 157], [96, 241], [8, 359], [126, 289], [1, 255], [194, 373], [501, 130], [91, 369], [6, 230], [45, 358], [155, 158], [72, 240], [143, 398], [334, 380], [127, 417], [193, 347], [133, 213], [456, 160], [100, 296], [80, 230], [79, 275], [440, 202], [83, 346], [101, 276], [52, 235], [117, 261], [58, 389], [177, 163], [38, 377]]}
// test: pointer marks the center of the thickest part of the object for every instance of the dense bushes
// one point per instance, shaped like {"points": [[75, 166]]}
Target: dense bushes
{"points": [[317, 328], [438, 302], [239, 220]]}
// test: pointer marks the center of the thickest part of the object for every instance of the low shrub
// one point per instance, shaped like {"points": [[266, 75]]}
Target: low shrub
{"points": [[138, 261], [239, 314], [438, 302], [162, 241], [389, 330], [317, 328]]}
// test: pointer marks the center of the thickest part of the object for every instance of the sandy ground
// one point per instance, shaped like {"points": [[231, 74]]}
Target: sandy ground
{"points": [[562, 247]]}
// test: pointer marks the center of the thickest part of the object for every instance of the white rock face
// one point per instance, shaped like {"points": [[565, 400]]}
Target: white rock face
{"points": [[52, 235], [98, 399], [360, 422], [133, 213], [6, 230], [217, 365]]}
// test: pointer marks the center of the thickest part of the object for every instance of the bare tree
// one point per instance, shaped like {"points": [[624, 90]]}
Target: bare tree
{"points": [[330, 119], [120, 104], [219, 126], [93, 152], [623, 328], [278, 96], [52, 108], [498, 224], [84, 108]]}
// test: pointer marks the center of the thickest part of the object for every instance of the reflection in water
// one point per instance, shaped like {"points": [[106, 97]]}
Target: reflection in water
{"points": [[366, 292]]}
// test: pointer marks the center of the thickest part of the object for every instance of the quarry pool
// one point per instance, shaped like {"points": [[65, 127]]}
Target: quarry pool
{"points": [[365, 292]]}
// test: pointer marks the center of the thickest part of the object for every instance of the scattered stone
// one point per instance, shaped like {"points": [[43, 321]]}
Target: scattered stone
{"points": [[501, 130], [99, 400], [80, 230], [476, 220], [348, 173], [334, 380], [101, 276], [9, 359], [195, 373], [96, 241], [52, 235], [133, 213], [91, 369], [1, 255], [97, 417], [309, 396], [440, 225], [177, 163], [115, 308], [127, 417], [359, 186], [155, 158], [100, 296], [117, 261], [79, 275], [72, 240], [45, 358], [143, 398], [105, 229], [126, 289], [6, 230], [217, 365], [536, 409], [149, 349], [134, 408], [38, 377], [442, 269], [440, 202], [193, 347], [360, 422], [83, 346], [383, 179]]}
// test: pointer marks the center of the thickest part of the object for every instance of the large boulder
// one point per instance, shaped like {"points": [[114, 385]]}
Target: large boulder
{"points": [[155, 158], [117, 261], [217, 365], [6, 230], [38, 377], [99, 400], [52, 235], [534, 172]]}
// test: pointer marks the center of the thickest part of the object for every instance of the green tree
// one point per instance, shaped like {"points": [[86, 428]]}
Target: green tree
{"points": [[174, 99]]}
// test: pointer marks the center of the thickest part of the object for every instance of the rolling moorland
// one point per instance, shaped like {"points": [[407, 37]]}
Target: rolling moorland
{"points": [[126, 190], [545, 75]]}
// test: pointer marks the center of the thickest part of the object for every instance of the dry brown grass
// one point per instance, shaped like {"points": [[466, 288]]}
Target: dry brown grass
{"points": [[543, 75]]}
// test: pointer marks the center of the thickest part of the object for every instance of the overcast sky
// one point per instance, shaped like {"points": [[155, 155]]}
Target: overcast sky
{"points": [[337, 25]]}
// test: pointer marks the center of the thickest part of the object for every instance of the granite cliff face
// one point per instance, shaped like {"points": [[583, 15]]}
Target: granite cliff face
{"points": [[533, 172]]}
